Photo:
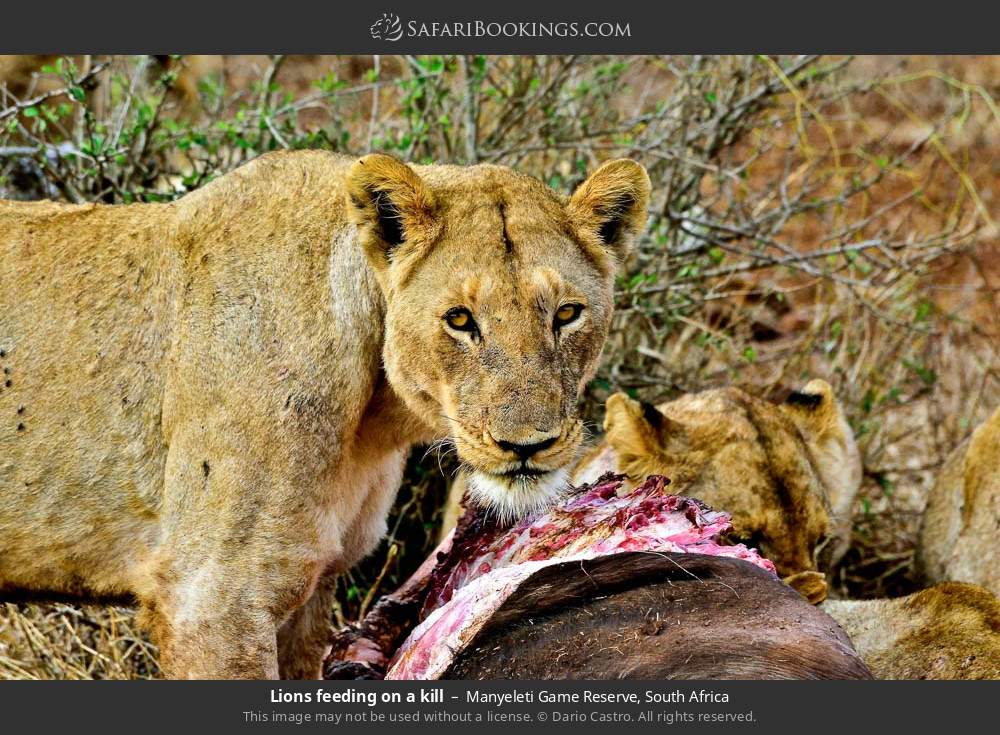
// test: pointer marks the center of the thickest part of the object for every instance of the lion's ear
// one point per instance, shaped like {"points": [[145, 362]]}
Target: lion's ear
{"points": [[814, 409], [610, 206], [638, 433], [390, 205], [819, 418]]}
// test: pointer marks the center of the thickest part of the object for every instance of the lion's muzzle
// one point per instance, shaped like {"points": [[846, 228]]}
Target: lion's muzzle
{"points": [[517, 477]]}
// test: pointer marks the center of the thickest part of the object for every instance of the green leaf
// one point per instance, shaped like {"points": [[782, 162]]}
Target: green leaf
{"points": [[601, 384], [923, 372], [886, 484]]}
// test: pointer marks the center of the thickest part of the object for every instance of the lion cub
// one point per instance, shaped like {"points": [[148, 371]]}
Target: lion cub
{"points": [[205, 406], [787, 473]]}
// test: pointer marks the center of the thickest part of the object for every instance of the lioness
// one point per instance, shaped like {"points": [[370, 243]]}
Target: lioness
{"points": [[787, 473], [960, 532], [206, 405]]}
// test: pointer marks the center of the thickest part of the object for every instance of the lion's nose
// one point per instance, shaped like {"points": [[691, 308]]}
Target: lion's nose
{"points": [[525, 451]]}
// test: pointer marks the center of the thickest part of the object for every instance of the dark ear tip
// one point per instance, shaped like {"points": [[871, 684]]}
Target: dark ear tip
{"points": [[805, 400], [389, 220], [652, 415]]}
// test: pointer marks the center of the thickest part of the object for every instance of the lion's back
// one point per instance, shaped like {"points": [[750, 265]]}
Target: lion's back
{"points": [[86, 293]]}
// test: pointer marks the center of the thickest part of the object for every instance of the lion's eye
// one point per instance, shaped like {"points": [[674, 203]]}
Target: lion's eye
{"points": [[566, 314], [461, 320]]}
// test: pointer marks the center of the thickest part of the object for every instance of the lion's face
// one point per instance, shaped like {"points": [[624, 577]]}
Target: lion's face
{"points": [[498, 301]]}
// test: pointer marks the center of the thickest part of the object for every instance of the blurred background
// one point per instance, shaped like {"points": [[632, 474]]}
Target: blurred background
{"points": [[812, 216]]}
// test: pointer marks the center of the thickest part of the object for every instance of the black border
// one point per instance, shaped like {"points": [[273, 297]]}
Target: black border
{"points": [[338, 27]]}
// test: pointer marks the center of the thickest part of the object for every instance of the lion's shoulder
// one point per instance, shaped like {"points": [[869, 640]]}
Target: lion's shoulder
{"points": [[280, 174], [958, 529]]}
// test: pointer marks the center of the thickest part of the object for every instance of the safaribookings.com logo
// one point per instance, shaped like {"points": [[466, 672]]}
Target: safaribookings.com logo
{"points": [[390, 28], [387, 28]]}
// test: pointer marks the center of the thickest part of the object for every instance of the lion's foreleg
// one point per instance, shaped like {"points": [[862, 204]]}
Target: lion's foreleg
{"points": [[231, 645], [304, 639], [232, 565]]}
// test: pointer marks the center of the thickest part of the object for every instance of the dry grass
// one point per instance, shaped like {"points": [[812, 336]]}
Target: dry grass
{"points": [[823, 217], [69, 642]]}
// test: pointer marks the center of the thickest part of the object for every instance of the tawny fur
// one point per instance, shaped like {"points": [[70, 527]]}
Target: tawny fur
{"points": [[960, 532], [206, 405], [788, 473], [960, 529], [948, 631]]}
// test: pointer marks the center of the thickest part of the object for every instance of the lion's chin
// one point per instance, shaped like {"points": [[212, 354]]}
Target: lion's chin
{"points": [[511, 497]]}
